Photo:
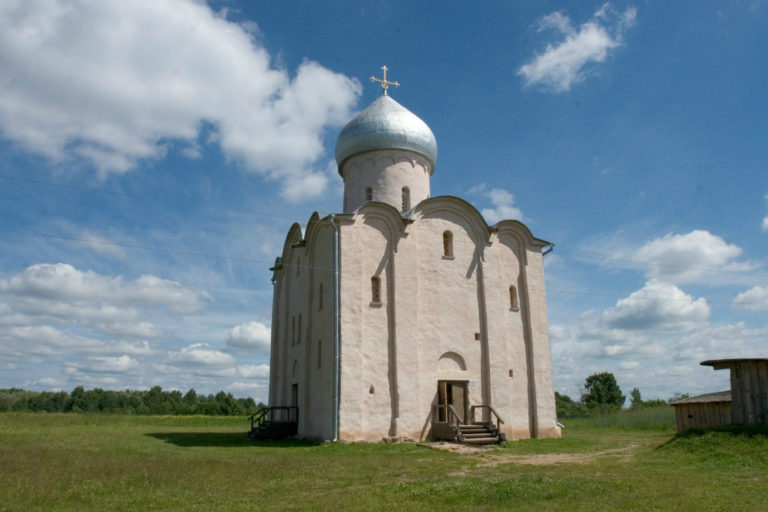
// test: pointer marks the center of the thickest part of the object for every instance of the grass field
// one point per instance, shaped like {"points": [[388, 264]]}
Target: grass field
{"points": [[629, 461]]}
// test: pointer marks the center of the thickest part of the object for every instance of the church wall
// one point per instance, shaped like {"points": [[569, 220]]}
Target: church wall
{"points": [[545, 392], [298, 324], [506, 335], [368, 381], [442, 321], [318, 357], [385, 172]]}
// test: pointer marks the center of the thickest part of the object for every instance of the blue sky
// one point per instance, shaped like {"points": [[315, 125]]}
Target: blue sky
{"points": [[154, 154]]}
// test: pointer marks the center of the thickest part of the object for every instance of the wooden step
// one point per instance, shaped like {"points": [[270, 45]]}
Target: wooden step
{"points": [[482, 440], [478, 435]]}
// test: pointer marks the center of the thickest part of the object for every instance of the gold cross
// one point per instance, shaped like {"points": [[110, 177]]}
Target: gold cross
{"points": [[384, 82]]}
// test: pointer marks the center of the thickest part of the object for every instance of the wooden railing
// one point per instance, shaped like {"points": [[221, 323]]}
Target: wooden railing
{"points": [[276, 414], [446, 413], [491, 413]]}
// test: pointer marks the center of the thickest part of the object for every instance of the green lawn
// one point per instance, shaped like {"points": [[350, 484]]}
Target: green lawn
{"points": [[623, 462]]}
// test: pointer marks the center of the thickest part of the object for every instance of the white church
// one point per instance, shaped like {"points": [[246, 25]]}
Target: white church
{"points": [[407, 316]]}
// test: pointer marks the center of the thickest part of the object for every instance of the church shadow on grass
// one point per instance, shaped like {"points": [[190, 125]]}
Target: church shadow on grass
{"points": [[224, 439]]}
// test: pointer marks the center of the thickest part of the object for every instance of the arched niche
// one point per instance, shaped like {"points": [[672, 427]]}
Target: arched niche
{"points": [[451, 362]]}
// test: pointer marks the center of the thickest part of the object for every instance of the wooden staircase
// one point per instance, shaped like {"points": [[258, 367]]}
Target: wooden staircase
{"points": [[448, 425], [276, 422], [479, 434]]}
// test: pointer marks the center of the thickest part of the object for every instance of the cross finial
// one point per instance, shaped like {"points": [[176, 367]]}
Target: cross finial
{"points": [[384, 82]]}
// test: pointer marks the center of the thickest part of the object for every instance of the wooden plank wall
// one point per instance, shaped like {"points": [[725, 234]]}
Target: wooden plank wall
{"points": [[702, 415], [749, 392]]}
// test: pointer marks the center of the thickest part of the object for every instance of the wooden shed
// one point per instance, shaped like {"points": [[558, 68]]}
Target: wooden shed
{"points": [[708, 410], [749, 388]]}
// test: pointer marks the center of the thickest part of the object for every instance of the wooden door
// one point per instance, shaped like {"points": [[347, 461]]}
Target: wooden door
{"points": [[452, 392]]}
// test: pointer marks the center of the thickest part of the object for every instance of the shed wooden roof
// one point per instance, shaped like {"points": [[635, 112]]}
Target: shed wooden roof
{"points": [[721, 364], [719, 396]]}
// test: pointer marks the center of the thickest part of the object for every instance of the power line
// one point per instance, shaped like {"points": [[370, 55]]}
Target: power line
{"points": [[131, 246], [139, 196]]}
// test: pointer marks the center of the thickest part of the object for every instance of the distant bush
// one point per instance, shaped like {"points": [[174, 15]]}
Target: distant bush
{"points": [[567, 408], [647, 417], [152, 401]]}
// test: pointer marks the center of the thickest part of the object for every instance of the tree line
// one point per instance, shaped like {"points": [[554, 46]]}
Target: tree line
{"points": [[152, 401], [602, 394]]}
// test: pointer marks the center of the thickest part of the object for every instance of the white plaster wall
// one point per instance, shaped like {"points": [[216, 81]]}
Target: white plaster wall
{"points": [[368, 393], [447, 315], [545, 393], [386, 172], [318, 410], [506, 337]]}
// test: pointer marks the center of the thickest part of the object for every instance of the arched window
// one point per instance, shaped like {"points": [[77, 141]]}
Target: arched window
{"points": [[376, 290], [369, 194], [320, 297], [406, 199], [447, 244], [513, 301], [319, 354]]}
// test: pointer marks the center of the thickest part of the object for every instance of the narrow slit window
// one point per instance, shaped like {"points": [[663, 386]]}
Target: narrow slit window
{"points": [[293, 330], [319, 354], [513, 300], [320, 297], [406, 199], [369, 194], [447, 244], [375, 290], [298, 338]]}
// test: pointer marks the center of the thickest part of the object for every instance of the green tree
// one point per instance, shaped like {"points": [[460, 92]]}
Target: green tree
{"points": [[566, 407], [635, 400], [602, 391]]}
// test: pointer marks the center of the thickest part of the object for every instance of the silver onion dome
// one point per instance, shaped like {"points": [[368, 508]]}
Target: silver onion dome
{"points": [[386, 124]]}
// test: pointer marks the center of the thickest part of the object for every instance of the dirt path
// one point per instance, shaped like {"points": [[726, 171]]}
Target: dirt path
{"points": [[491, 456], [547, 459]]}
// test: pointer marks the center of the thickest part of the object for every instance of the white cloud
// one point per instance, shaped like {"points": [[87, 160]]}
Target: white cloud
{"points": [[88, 324], [764, 225], [202, 354], [44, 342], [658, 363], [65, 286], [657, 306], [476, 189], [688, 258], [100, 245], [252, 337], [253, 371], [565, 63], [112, 83], [503, 209], [754, 299], [106, 364]]}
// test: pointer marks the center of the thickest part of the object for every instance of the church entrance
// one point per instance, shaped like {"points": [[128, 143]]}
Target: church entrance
{"points": [[453, 393]]}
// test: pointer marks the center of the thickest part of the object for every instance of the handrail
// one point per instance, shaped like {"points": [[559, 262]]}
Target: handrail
{"points": [[451, 415], [277, 413], [491, 411]]}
